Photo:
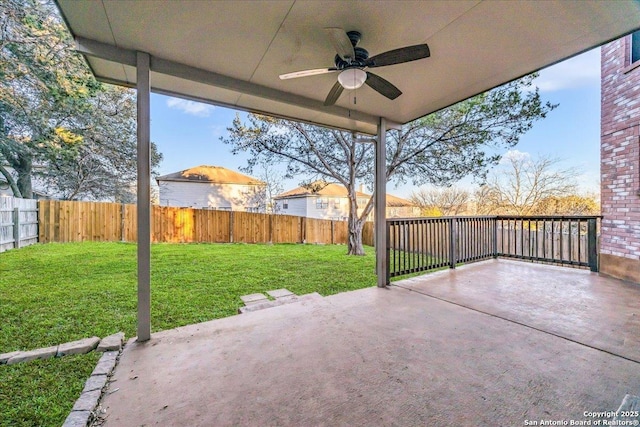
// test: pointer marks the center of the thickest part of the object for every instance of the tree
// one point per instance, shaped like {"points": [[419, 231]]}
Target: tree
{"points": [[54, 113], [104, 165], [568, 205], [35, 89], [273, 178], [437, 149], [449, 201], [523, 185]]}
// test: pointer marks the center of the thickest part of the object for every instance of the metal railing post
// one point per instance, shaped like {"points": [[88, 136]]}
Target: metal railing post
{"points": [[388, 255], [592, 239], [453, 242], [495, 237], [448, 241]]}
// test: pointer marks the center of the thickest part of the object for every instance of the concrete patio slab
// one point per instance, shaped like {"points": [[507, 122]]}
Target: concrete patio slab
{"points": [[384, 357], [629, 410], [254, 299], [280, 301], [576, 304], [280, 293]]}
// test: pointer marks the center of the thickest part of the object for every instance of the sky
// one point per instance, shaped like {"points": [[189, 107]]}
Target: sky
{"points": [[188, 133]]}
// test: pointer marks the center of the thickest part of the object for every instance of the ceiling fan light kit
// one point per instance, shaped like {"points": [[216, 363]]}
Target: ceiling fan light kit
{"points": [[352, 78], [352, 62]]}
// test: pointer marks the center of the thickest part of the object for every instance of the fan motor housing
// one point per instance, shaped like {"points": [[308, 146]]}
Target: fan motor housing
{"points": [[361, 56], [354, 37]]}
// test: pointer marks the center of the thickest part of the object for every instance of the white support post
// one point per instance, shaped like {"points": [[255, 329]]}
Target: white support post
{"points": [[380, 224], [144, 196]]}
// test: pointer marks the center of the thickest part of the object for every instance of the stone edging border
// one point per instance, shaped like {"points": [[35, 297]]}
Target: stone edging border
{"points": [[84, 410], [110, 343]]}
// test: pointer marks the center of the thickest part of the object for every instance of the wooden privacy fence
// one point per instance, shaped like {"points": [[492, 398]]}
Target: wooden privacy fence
{"points": [[65, 221], [18, 222]]}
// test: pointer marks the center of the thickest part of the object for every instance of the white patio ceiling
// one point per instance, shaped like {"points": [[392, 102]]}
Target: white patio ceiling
{"points": [[231, 52]]}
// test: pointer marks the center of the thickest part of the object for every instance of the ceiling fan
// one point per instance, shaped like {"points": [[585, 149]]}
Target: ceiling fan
{"points": [[352, 62]]}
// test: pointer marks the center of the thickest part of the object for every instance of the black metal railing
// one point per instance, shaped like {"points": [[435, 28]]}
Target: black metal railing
{"points": [[422, 244]]}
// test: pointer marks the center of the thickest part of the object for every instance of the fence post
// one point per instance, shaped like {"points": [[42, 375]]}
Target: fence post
{"points": [[231, 226], [333, 230], [122, 227], [271, 228], [453, 242], [16, 227], [592, 236]]}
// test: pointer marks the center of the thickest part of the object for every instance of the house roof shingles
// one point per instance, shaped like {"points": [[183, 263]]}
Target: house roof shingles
{"points": [[211, 174], [337, 190], [318, 189], [398, 202]]}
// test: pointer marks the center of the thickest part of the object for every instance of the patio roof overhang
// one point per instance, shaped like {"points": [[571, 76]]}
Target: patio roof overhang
{"points": [[231, 53]]}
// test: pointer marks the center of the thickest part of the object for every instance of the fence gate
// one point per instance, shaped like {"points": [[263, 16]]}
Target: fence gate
{"points": [[18, 222]]}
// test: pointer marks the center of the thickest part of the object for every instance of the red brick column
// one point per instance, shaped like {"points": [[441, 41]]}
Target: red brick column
{"points": [[620, 162]]}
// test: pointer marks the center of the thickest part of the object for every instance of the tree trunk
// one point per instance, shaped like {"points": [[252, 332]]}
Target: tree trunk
{"points": [[11, 182], [23, 168], [356, 225]]}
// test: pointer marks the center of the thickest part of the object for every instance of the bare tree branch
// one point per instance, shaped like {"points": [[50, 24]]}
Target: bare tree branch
{"points": [[438, 149]]}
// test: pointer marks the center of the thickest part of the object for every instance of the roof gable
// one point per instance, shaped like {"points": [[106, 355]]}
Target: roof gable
{"points": [[211, 174], [320, 189], [398, 202]]}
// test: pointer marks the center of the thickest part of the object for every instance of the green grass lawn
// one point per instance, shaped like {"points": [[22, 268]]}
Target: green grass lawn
{"points": [[42, 392], [55, 293]]}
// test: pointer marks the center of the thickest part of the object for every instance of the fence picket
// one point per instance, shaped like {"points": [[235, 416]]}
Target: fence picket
{"points": [[18, 222], [70, 221]]}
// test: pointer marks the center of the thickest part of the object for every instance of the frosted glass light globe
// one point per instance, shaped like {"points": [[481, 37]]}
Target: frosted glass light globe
{"points": [[352, 78]]}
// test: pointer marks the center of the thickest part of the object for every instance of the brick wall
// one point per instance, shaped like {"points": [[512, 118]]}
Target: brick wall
{"points": [[620, 162]]}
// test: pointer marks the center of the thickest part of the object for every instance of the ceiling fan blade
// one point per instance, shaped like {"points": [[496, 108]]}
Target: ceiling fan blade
{"points": [[382, 86], [398, 56], [341, 43], [334, 94], [306, 73]]}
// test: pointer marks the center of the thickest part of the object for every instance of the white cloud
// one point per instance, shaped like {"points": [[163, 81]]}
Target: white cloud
{"points": [[190, 107], [218, 130], [579, 71], [514, 155]]}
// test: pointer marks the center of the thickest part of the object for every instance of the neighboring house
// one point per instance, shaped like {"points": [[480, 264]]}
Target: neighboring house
{"points": [[330, 201], [620, 158], [38, 194], [5, 188], [212, 187], [401, 208]]}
